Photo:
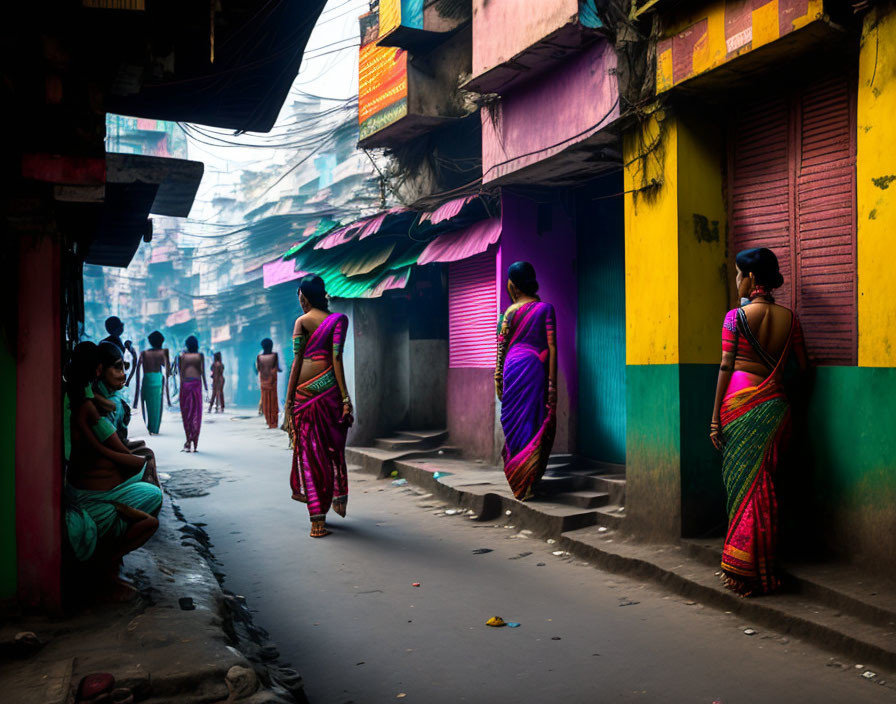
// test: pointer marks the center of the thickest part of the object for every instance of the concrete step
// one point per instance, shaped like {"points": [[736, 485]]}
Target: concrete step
{"points": [[381, 462], [838, 587], [400, 443], [435, 437], [413, 440], [612, 484], [487, 494], [583, 499], [674, 568]]}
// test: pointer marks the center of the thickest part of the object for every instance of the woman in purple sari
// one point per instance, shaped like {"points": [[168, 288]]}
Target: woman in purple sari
{"points": [[526, 381], [318, 404]]}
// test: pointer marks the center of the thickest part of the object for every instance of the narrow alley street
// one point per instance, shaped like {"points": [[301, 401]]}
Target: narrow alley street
{"points": [[343, 611]]}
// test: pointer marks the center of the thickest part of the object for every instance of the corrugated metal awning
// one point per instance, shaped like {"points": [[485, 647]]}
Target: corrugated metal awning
{"points": [[462, 244]]}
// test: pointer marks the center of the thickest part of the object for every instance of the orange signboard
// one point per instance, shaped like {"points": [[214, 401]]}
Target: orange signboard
{"points": [[382, 87]]}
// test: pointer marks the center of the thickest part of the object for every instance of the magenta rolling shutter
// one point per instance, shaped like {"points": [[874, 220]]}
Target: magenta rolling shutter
{"points": [[826, 223], [472, 312], [792, 189], [760, 193]]}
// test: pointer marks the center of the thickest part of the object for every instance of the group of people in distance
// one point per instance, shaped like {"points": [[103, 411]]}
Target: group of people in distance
{"points": [[152, 385]]}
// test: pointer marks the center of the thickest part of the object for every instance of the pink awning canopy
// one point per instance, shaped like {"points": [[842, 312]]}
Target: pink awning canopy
{"points": [[360, 228], [279, 272], [446, 211], [462, 244]]}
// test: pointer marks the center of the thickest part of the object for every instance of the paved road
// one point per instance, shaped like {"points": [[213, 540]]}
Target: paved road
{"points": [[343, 610]]}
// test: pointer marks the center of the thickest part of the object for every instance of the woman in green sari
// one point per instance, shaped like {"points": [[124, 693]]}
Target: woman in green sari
{"points": [[109, 509], [155, 382]]}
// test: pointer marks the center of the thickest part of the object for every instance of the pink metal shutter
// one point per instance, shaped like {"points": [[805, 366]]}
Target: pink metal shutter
{"points": [[826, 222], [472, 312], [759, 185]]}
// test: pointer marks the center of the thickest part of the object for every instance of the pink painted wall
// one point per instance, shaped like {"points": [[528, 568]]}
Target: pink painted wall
{"points": [[531, 20], [553, 254], [551, 113], [39, 423]]}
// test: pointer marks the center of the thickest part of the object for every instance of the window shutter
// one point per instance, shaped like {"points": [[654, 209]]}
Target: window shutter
{"points": [[826, 223], [760, 210], [472, 312], [792, 189]]}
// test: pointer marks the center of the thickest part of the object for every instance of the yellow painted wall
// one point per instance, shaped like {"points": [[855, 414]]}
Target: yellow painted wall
{"points": [[651, 243], [876, 189], [704, 278]]}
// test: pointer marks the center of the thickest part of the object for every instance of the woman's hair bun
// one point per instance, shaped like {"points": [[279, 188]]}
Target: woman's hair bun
{"points": [[522, 275], [313, 289], [763, 264]]}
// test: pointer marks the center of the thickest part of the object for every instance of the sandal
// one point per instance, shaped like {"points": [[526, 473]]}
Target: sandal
{"points": [[319, 529]]}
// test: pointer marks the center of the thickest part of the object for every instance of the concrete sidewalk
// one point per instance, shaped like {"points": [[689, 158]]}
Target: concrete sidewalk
{"points": [[183, 640], [832, 605]]}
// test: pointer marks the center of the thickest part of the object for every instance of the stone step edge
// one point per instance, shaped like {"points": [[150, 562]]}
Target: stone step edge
{"points": [[834, 598], [490, 505], [757, 610]]}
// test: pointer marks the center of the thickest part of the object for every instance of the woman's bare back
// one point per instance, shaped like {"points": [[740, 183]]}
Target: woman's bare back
{"points": [[191, 365], [154, 360], [770, 324], [306, 325]]}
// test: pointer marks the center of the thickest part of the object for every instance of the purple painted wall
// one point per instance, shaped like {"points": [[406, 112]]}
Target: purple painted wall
{"points": [[551, 113], [553, 254], [470, 410]]}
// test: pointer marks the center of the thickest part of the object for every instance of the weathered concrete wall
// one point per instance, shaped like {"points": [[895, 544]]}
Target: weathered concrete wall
{"points": [[364, 367], [471, 411], [396, 382], [550, 113], [531, 20], [427, 367], [553, 254]]}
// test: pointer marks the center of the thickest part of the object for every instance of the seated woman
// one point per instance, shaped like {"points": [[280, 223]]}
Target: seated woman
{"points": [[109, 400], [109, 510]]}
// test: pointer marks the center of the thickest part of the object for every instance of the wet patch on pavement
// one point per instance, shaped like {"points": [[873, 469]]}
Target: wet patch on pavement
{"points": [[191, 482]]}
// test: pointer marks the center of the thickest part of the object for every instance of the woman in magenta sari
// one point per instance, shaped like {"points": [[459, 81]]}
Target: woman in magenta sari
{"points": [[526, 381], [191, 365], [318, 403], [751, 420]]}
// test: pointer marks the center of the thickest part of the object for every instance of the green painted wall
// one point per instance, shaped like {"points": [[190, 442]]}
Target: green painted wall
{"points": [[601, 328], [702, 490], [836, 488], [7, 471], [849, 475], [653, 450]]}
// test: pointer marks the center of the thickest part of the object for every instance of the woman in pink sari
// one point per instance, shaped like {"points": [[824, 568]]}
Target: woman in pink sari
{"points": [[751, 420], [319, 406]]}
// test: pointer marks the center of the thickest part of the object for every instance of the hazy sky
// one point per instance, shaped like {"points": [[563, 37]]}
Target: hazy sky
{"points": [[329, 69]]}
